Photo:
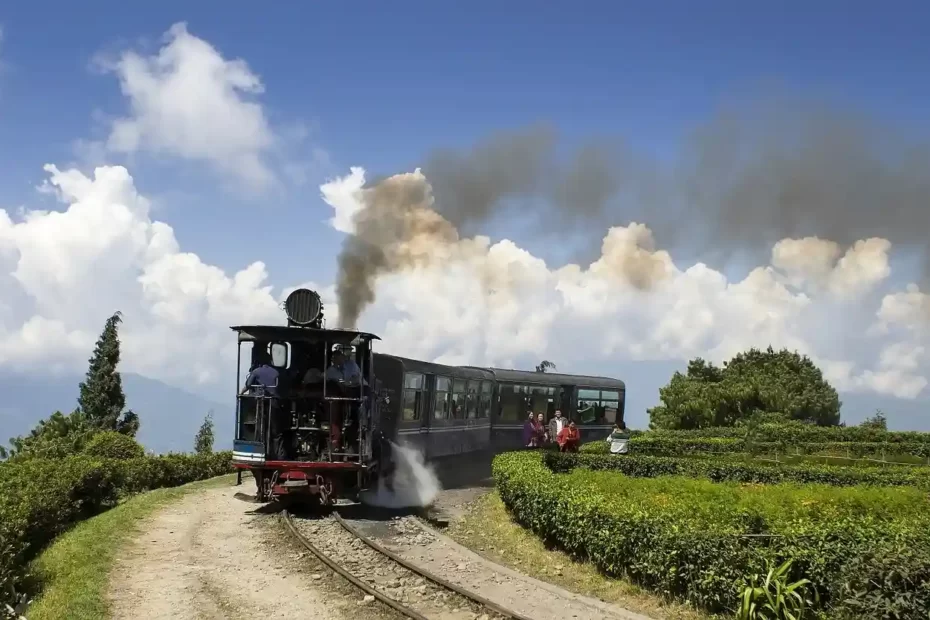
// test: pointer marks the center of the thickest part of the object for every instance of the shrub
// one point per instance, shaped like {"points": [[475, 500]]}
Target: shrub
{"points": [[41, 498], [699, 540], [665, 445], [113, 445], [735, 470]]}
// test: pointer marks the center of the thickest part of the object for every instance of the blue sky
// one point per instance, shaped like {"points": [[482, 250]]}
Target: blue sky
{"points": [[381, 83]]}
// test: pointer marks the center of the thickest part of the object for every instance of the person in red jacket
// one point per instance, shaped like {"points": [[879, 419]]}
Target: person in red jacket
{"points": [[569, 438]]}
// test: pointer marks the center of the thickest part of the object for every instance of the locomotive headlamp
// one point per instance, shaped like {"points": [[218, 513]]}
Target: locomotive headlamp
{"points": [[303, 306]]}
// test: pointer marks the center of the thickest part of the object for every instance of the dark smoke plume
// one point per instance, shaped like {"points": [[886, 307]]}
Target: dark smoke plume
{"points": [[751, 176]]}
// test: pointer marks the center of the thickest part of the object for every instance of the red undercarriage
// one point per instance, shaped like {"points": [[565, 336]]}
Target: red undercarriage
{"points": [[300, 477]]}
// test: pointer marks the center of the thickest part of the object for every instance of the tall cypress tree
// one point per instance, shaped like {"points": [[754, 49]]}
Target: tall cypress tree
{"points": [[102, 400]]}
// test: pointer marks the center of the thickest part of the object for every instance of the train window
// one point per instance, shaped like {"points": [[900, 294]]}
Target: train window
{"points": [[471, 400], [413, 381], [610, 395], [443, 393], [484, 400], [538, 399], [279, 354], [458, 399], [513, 403], [589, 394], [413, 396]]}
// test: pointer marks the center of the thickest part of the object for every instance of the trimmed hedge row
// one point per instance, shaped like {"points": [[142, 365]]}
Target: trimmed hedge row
{"points": [[661, 444], [865, 550], [724, 470], [804, 433], [41, 498]]}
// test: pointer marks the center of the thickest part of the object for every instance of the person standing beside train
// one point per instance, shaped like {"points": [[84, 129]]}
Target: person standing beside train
{"points": [[529, 432], [542, 435], [556, 425]]}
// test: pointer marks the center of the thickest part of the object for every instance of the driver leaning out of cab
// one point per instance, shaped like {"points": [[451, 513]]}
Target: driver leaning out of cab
{"points": [[344, 368]]}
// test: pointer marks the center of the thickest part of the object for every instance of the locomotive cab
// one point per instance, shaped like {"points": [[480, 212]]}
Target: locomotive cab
{"points": [[306, 411]]}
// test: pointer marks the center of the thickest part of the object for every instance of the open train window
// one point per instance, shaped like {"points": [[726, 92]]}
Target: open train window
{"points": [[484, 400], [458, 399], [443, 392], [280, 353], [414, 395]]}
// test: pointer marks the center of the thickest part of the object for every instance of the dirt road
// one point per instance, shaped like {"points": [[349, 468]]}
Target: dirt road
{"points": [[208, 557]]}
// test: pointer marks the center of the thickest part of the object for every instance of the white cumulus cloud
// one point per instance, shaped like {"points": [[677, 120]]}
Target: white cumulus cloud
{"points": [[189, 101], [479, 302]]}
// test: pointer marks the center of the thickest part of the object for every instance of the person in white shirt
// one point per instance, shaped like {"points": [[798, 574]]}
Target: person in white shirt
{"points": [[556, 425]]}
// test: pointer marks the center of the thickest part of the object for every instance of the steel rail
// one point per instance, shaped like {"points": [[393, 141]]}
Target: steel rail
{"points": [[399, 607], [476, 598]]}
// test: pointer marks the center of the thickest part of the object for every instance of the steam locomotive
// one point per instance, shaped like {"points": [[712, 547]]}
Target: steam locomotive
{"points": [[318, 430]]}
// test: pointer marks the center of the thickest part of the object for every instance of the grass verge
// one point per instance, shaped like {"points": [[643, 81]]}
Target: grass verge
{"points": [[75, 569], [488, 529]]}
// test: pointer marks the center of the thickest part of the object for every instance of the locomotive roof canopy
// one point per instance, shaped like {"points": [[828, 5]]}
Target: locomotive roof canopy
{"points": [[272, 333]]}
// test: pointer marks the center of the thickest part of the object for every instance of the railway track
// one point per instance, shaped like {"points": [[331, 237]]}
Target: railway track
{"points": [[412, 592]]}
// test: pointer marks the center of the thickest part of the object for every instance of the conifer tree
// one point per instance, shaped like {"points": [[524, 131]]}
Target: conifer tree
{"points": [[101, 399], [203, 441]]}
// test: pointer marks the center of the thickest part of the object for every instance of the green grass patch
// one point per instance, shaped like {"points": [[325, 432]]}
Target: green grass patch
{"points": [[75, 569]]}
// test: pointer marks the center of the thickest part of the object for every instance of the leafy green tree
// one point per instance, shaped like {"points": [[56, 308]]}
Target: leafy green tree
{"points": [[203, 441], [102, 399], [877, 422], [57, 436], [544, 365], [772, 385]]}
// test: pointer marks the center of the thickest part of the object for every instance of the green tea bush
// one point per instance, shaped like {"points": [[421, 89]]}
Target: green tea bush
{"points": [[798, 432], [663, 444], [113, 445], [736, 470], [41, 498], [699, 540]]}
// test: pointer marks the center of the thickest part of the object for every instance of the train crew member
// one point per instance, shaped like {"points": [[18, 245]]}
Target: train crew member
{"points": [[343, 368], [263, 374], [569, 438], [266, 376], [556, 425]]}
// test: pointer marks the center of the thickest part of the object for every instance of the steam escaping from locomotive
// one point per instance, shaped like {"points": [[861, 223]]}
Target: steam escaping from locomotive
{"points": [[413, 482], [751, 176]]}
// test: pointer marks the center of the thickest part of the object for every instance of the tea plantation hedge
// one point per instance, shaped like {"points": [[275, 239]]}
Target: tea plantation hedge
{"points": [[41, 498], [797, 432], [725, 470], [865, 549], [663, 444]]}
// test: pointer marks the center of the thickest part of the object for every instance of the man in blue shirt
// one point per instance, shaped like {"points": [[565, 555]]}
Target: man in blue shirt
{"points": [[343, 368], [263, 374]]}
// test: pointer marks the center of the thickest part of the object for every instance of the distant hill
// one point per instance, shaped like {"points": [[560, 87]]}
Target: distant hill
{"points": [[170, 416]]}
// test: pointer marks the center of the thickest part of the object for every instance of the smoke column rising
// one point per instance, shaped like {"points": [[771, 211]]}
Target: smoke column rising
{"points": [[752, 175]]}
